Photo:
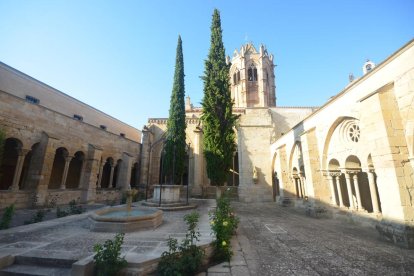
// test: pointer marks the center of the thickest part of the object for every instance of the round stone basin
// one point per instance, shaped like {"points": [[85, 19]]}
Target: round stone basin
{"points": [[120, 220]]}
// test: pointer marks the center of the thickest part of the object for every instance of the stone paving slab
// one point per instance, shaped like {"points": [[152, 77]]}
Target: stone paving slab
{"points": [[280, 241], [69, 238]]}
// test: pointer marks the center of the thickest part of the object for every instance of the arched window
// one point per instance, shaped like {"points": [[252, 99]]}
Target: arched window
{"points": [[252, 73], [236, 77]]}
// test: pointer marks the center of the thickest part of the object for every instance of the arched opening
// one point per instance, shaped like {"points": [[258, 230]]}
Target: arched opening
{"points": [[134, 175], [75, 171], [296, 182], [58, 168], [12, 147], [339, 190], [116, 173], [252, 73], [373, 188], [352, 162], [23, 184], [106, 172], [275, 179], [354, 180]]}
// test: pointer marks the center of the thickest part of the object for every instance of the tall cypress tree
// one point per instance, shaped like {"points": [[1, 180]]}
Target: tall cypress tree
{"points": [[217, 118], [174, 159]]}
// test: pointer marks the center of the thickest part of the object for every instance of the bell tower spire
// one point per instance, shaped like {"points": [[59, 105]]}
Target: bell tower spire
{"points": [[252, 77]]}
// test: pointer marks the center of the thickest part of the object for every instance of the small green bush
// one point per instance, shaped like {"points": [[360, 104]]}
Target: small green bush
{"points": [[224, 224], [186, 258], [108, 259], [61, 213], [38, 217], [7, 217], [74, 209]]}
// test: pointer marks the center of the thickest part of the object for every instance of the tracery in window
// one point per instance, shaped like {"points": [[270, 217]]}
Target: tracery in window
{"points": [[252, 73]]}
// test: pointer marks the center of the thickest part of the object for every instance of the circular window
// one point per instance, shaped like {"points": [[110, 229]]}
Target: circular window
{"points": [[354, 133]]}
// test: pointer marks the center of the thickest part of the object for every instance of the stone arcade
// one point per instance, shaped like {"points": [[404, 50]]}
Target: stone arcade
{"points": [[353, 156]]}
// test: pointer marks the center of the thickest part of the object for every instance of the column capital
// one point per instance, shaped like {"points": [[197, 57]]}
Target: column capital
{"points": [[332, 173]]}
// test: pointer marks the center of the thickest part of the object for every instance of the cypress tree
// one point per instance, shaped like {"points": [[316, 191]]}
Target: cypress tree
{"points": [[217, 117], [175, 138]]}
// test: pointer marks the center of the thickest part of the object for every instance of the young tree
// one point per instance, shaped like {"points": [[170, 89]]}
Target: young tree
{"points": [[174, 159], [217, 117]]}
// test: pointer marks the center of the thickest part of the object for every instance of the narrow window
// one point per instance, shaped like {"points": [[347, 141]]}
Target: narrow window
{"points": [[252, 73], [103, 127], [238, 76], [234, 79], [32, 100], [77, 117]]}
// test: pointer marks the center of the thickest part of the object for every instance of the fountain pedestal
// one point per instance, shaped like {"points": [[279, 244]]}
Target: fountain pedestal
{"points": [[170, 194], [170, 198]]}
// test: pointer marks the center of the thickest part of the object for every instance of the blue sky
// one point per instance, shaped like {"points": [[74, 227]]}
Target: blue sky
{"points": [[118, 56]]}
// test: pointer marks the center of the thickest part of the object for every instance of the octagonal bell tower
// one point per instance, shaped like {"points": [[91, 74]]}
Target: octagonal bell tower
{"points": [[252, 77]]}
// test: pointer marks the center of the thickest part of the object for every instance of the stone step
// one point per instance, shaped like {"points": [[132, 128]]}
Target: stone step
{"points": [[31, 260], [22, 270]]}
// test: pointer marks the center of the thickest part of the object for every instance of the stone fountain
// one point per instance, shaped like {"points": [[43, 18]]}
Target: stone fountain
{"points": [[167, 197], [123, 219]]}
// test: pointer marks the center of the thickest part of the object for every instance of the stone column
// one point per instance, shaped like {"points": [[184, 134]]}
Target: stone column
{"points": [[373, 191], [145, 155], [65, 172], [338, 187], [349, 188], [124, 172], [100, 174], [358, 194], [303, 181], [331, 180], [300, 187], [198, 163], [18, 171], [111, 176], [91, 168]]}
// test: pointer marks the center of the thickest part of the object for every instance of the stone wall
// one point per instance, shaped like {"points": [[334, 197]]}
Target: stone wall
{"points": [[356, 150], [40, 131], [21, 85]]}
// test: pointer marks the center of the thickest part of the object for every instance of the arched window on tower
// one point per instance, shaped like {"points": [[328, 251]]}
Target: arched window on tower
{"points": [[252, 73], [236, 77]]}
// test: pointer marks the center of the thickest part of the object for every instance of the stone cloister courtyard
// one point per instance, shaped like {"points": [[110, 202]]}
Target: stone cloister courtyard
{"points": [[270, 240]]}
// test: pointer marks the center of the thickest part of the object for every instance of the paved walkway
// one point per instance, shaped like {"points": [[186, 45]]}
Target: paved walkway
{"points": [[274, 240]]}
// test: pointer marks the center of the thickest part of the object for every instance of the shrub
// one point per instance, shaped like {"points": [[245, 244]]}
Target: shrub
{"points": [[7, 217], [108, 259], [74, 209], [61, 213], [224, 224], [38, 217], [186, 258]]}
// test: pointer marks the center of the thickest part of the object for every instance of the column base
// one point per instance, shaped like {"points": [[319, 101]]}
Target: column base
{"points": [[400, 234]]}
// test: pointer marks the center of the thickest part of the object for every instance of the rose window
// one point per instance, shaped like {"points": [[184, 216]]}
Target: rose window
{"points": [[354, 133]]}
